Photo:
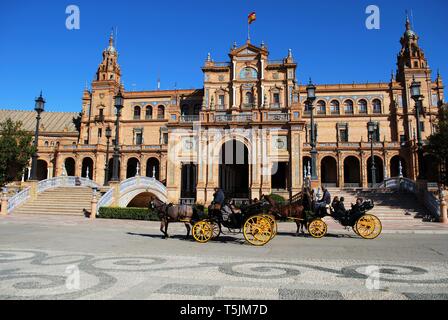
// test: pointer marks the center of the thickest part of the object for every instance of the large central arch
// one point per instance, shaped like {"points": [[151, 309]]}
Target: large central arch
{"points": [[234, 170]]}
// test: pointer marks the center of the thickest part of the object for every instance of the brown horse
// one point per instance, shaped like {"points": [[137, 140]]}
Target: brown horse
{"points": [[295, 211], [169, 213]]}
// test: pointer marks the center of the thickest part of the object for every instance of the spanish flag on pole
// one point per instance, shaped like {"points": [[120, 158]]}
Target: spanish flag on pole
{"points": [[252, 17]]}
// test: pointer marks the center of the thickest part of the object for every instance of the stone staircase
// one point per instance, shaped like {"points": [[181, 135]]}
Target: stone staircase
{"points": [[389, 207], [69, 201]]}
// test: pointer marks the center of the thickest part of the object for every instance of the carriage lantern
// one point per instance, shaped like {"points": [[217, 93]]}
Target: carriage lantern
{"points": [[311, 91], [416, 90]]}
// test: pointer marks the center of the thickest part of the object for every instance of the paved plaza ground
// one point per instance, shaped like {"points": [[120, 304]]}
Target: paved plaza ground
{"points": [[42, 256]]}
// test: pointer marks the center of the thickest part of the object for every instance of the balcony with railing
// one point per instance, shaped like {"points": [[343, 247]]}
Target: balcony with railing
{"points": [[281, 117], [221, 107], [248, 106], [275, 105], [100, 118], [189, 119], [233, 118]]}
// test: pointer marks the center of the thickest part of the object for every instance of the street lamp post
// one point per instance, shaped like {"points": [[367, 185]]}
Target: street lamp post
{"points": [[118, 106], [40, 107], [372, 127], [106, 170], [417, 97], [311, 97]]}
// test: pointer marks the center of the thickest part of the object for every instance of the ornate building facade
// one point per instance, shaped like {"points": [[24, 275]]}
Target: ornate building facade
{"points": [[248, 129]]}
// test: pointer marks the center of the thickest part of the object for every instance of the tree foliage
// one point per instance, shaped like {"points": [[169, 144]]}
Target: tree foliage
{"points": [[15, 150], [438, 142]]}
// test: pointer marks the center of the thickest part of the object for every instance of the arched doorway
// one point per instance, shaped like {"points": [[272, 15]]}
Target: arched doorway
{"points": [[432, 169], [234, 170], [70, 165], [131, 171], [189, 181], [329, 172], [379, 166], [141, 201], [352, 172], [153, 167], [42, 170], [111, 169], [395, 167], [87, 168]]}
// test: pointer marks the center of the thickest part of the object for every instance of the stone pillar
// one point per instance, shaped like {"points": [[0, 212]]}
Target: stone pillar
{"points": [[340, 170], [115, 185], [443, 207], [4, 209], [94, 205]]}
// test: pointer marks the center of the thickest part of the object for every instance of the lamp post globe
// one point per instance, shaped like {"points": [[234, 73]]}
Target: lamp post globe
{"points": [[39, 108]]}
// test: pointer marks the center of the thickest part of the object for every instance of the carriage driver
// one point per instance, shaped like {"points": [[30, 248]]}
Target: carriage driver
{"points": [[325, 201], [218, 199]]}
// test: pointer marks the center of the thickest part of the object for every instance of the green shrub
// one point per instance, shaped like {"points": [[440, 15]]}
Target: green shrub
{"points": [[277, 198], [127, 214]]}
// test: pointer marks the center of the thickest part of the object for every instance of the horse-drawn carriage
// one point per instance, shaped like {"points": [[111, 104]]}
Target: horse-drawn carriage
{"points": [[257, 227], [300, 209]]}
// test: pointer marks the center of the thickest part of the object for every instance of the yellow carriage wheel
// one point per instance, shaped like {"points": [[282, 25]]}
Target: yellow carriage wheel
{"points": [[202, 232], [317, 228], [369, 227], [274, 225], [216, 229], [258, 230]]}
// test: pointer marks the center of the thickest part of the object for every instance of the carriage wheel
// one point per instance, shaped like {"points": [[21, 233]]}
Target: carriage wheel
{"points": [[258, 230], [274, 225], [317, 228], [355, 229], [216, 229], [202, 232], [369, 227]]}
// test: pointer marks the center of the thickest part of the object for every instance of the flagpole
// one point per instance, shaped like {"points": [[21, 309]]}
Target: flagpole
{"points": [[248, 32]]}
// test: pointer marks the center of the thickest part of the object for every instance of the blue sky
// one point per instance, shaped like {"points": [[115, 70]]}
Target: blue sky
{"points": [[171, 39]]}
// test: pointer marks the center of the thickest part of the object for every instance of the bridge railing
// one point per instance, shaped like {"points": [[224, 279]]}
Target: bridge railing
{"points": [[430, 201], [65, 182], [19, 199], [106, 200]]}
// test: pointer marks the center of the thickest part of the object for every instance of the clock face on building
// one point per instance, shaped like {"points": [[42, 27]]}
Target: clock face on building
{"points": [[102, 95]]}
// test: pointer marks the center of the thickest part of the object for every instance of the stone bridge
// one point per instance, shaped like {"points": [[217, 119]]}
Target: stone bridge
{"points": [[122, 194]]}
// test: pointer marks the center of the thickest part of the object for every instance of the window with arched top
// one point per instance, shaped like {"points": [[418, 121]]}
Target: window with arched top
{"points": [[335, 107], [137, 113], [161, 113], [362, 106], [377, 108], [248, 73], [348, 107], [321, 107], [46, 143], [249, 98], [185, 110], [148, 115]]}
